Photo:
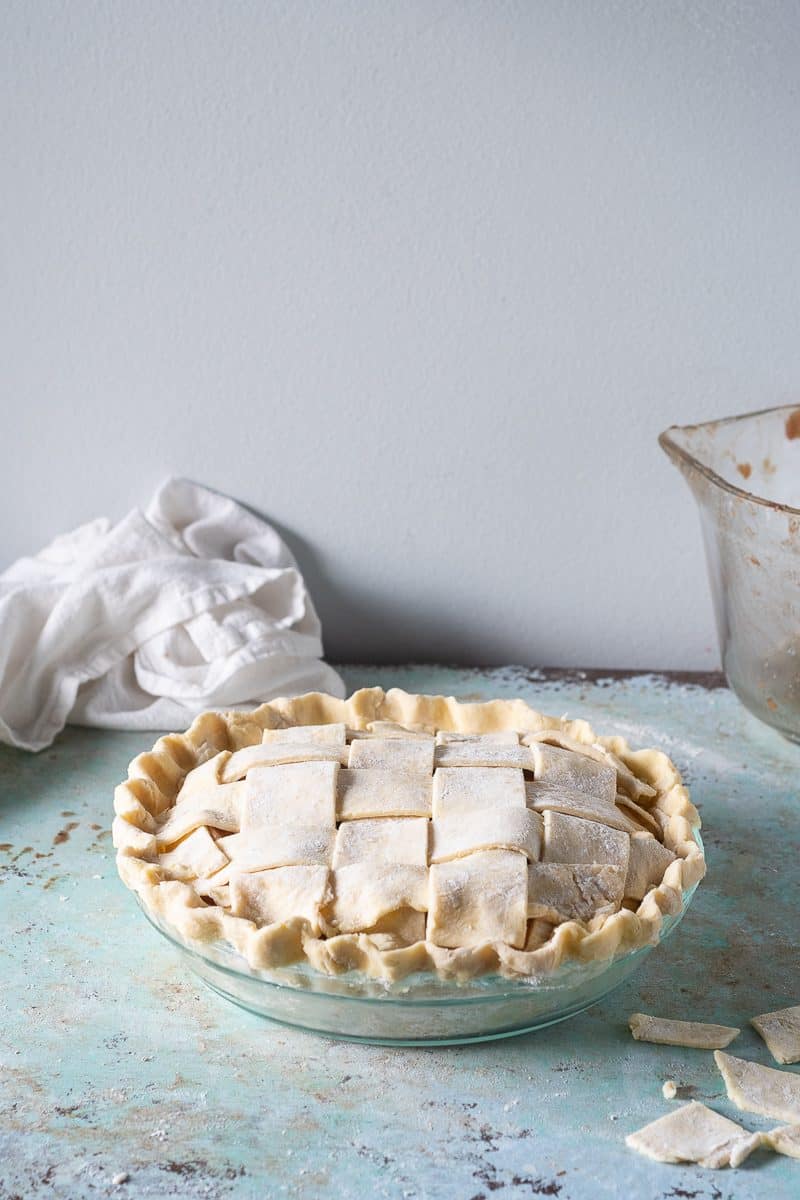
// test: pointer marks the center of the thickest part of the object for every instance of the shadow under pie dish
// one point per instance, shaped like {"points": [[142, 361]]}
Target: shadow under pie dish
{"points": [[414, 847]]}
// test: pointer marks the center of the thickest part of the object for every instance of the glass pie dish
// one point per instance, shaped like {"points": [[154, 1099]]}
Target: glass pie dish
{"points": [[403, 868], [419, 1010]]}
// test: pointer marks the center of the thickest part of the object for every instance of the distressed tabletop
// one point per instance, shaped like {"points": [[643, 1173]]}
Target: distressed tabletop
{"points": [[114, 1062]]}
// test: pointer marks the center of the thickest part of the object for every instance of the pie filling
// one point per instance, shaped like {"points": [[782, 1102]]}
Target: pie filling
{"points": [[392, 846]]}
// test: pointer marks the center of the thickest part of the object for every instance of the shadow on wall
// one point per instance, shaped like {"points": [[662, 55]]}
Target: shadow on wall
{"points": [[370, 625]]}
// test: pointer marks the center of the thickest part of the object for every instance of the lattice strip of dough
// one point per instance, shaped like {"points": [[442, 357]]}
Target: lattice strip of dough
{"points": [[299, 735], [466, 789], [220, 895], [648, 861], [575, 840], [403, 927], [480, 898], [218, 806], [200, 779], [626, 780], [640, 816], [541, 797], [270, 897], [196, 856], [362, 894], [276, 754], [371, 792], [411, 755], [388, 840], [576, 772], [387, 729], [278, 846], [501, 737], [298, 793], [460, 834], [560, 892], [483, 753]]}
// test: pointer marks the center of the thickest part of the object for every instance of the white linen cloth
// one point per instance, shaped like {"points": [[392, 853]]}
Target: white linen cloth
{"points": [[194, 604]]}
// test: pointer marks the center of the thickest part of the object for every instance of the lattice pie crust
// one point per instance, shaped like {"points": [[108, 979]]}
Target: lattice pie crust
{"points": [[392, 833]]}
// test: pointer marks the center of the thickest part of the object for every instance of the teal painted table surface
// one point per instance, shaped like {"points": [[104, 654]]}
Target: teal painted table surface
{"points": [[116, 1065]]}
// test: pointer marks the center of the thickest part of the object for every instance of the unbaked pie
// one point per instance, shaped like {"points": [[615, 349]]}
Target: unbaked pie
{"points": [[392, 833]]}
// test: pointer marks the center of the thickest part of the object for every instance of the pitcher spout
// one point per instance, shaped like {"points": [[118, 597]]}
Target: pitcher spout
{"points": [[754, 455]]}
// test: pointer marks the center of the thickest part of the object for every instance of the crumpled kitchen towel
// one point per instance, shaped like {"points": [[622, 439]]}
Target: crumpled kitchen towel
{"points": [[194, 604]]}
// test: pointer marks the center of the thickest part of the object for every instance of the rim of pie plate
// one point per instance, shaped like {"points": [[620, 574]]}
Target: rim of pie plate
{"points": [[145, 799]]}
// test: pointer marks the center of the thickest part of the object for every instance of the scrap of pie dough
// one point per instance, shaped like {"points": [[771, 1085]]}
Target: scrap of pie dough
{"points": [[669, 1089], [758, 1089], [785, 1140], [696, 1134], [781, 1031], [681, 1033]]}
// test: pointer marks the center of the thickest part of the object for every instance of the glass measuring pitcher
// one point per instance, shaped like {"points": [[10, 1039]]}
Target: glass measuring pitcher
{"points": [[744, 473]]}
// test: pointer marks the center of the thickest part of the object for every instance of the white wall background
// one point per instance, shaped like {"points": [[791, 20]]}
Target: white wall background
{"points": [[421, 281]]}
